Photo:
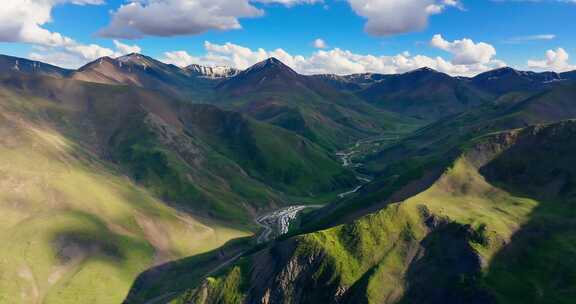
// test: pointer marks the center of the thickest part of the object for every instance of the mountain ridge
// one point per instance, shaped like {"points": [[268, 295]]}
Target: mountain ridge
{"points": [[211, 71]]}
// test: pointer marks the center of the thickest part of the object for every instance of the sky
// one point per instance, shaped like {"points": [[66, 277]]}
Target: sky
{"points": [[458, 37]]}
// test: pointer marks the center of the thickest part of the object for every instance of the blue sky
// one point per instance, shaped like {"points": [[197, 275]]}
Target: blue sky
{"points": [[541, 32]]}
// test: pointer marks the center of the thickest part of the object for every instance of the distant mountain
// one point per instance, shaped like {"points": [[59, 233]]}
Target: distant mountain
{"points": [[514, 110], [569, 75], [145, 72], [352, 83], [211, 72], [506, 80], [424, 93], [133, 69], [14, 64], [269, 74], [194, 83], [272, 92]]}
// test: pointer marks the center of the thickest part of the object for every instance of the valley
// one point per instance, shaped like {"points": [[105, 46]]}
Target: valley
{"points": [[277, 223], [262, 185]]}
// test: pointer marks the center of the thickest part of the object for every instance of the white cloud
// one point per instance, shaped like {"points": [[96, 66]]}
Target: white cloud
{"points": [[23, 21], [290, 2], [555, 61], [140, 18], [320, 44], [389, 17], [336, 61], [465, 51], [125, 48], [180, 58]]}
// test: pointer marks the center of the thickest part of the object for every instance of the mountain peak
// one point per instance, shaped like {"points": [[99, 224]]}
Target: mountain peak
{"points": [[138, 59], [425, 73], [424, 70], [268, 73], [273, 60], [98, 62], [131, 56], [511, 72], [504, 70], [270, 63]]}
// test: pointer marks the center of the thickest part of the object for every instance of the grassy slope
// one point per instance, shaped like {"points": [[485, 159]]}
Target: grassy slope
{"points": [[216, 163], [419, 156], [383, 257], [78, 230], [81, 230], [547, 272], [287, 162]]}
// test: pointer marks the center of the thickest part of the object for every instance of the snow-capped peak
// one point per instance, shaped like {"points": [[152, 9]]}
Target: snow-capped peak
{"points": [[212, 72]]}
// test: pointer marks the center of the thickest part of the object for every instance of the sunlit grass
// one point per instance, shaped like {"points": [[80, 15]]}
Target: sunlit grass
{"points": [[52, 189]]}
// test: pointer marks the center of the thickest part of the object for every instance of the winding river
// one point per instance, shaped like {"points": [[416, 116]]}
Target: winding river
{"points": [[277, 222]]}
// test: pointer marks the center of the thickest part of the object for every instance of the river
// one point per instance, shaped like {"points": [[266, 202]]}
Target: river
{"points": [[277, 222]]}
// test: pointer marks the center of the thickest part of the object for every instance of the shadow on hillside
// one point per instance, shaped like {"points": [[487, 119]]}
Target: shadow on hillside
{"points": [[172, 278], [538, 265], [448, 270]]}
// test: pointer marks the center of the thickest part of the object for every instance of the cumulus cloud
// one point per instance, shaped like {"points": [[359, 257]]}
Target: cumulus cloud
{"points": [[389, 17], [320, 44], [290, 2], [139, 18], [180, 58], [333, 61], [556, 60], [465, 51], [23, 21]]}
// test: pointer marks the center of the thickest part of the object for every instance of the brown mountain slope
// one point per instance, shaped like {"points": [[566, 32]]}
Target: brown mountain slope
{"points": [[145, 72]]}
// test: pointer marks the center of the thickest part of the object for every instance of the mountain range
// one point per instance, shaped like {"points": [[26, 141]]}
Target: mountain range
{"points": [[416, 188]]}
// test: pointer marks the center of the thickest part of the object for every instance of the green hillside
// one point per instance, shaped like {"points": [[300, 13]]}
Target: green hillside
{"points": [[200, 159], [103, 182], [118, 186], [78, 229], [462, 240]]}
